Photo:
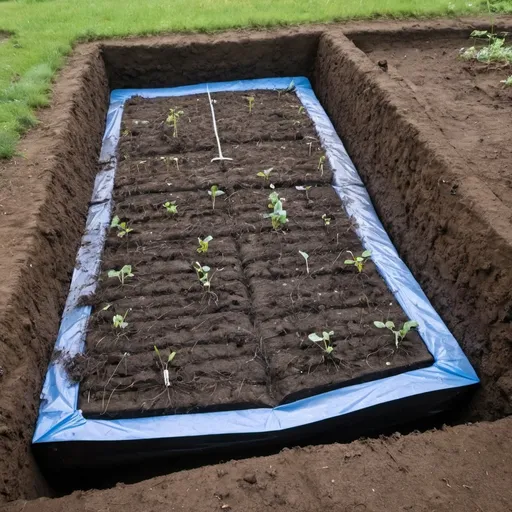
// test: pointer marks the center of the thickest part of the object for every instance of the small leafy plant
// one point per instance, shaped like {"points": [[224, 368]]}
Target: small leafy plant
{"points": [[203, 274], [323, 341], [119, 321], [321, 162], [400, 334], [495, 51], [172, 119], [250, 100], [278, 216], [165, 366], [265, 174], [305, 255], [302, 110], [214, 192], [304, 189], [203, 244], [122, 227], [171, 207], [327, 220], [273, 198], [358, 261], [507, 82], [122, 274]]}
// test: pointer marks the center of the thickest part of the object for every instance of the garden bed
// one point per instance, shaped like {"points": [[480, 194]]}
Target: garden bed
{"points": [[244, 343]]}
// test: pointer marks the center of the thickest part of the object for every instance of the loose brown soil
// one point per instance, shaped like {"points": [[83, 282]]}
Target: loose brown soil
{"points": [[441, 219], [245, 344], [461, 469]]}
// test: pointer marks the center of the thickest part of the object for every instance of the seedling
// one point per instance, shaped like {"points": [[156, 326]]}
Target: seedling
{"points": [[323, 341], [167, 161], [278, 216], [302, 110], [273, 199], [327, 220], [321, 162], [358, 261], [165, 366], [305, 189], [122, 274], [214, 192], [203, 244], [507, 81], [171, 207], [119, 321], [305, 255], [122, 227], [203, 274], [250, 100], [265, 174], [172, 119], [399, 334]]}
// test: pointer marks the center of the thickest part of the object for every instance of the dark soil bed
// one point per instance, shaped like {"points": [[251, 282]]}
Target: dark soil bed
{"points": [[244, 344]]}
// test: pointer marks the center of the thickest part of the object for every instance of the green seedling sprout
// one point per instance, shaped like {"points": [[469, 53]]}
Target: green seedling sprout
{"points": [[265, 174], [278, 216], [122, 274], [507, 81], [167, 161], [273, 199], [214, 192], [324, 341], [119, 321], [171, 207], [203, 274], [327, 220], [321, 162], [358, 261], [172, 118], [305, 189], [250, 100], [203, 244], [302, 110], [305, 255], [165, 366], [122, 227], [399, 334]]}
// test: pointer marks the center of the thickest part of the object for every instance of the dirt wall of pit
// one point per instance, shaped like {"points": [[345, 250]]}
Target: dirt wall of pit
{"points": [[449, 228], [408, 170]]}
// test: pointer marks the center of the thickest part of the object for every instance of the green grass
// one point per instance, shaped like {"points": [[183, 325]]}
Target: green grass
{"points": [[44, 32]]}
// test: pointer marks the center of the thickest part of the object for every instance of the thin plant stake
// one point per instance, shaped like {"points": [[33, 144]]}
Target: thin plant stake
{"points": [[220, 157]]}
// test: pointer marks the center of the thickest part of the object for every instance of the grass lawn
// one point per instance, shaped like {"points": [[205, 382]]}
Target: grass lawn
{"points": [[42, 32]]}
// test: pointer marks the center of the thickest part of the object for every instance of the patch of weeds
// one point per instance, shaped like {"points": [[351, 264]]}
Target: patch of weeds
{"points": [[203, 244], [323, 341], [494, 51], [399, 334], [358, 261], [122, 274], [122, 227]]}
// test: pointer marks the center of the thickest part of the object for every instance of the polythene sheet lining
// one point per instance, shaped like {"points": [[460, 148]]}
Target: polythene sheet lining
{"points": [[60, 420]]}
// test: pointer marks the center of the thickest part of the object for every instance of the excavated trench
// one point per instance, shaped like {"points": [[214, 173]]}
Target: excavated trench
{"points": [[403, 159]]}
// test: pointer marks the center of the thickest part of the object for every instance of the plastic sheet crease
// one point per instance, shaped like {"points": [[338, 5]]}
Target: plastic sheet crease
{"points": [[59, 419]]}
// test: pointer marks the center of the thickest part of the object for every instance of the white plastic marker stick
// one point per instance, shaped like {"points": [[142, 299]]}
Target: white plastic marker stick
{"points": [[167, 382], [220, 157]]}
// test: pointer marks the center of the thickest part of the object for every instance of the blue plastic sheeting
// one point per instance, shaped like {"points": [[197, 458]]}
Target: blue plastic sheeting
{"points": [[60, 420]]}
